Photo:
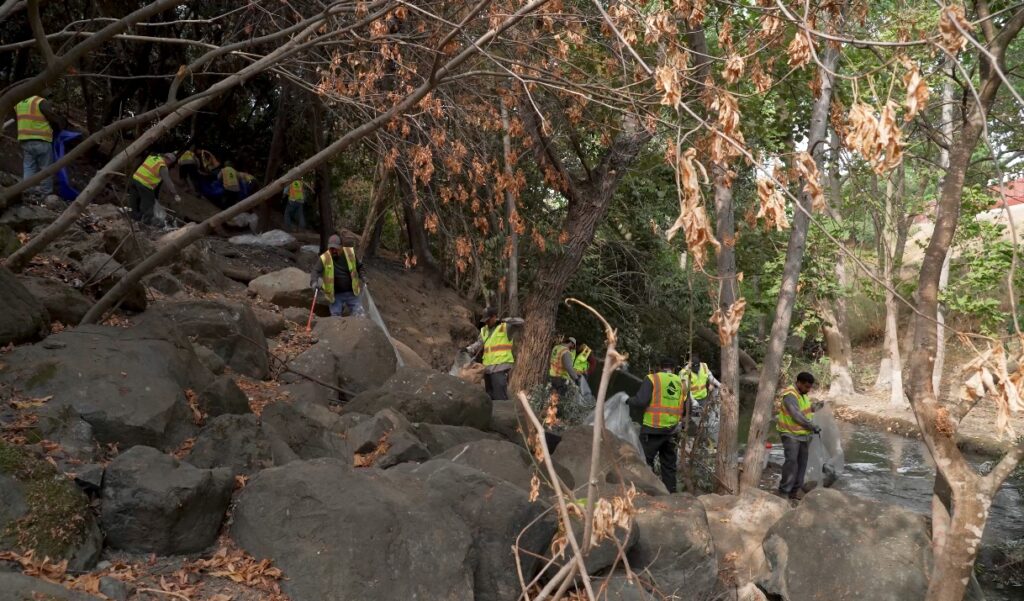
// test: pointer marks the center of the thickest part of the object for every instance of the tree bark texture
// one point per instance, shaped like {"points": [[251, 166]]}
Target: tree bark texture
{"points": [[324, 190], [512, 281], [726, 465], [766, 386], [369, 242], [418, 240], [274, 155]]}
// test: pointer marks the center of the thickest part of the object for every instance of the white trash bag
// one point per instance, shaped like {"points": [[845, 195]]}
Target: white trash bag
{"points": [[617, 421]]}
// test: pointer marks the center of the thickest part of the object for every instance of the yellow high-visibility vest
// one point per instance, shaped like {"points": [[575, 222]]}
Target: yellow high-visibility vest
{"points": [[296, 191], [666, 408], [556, 369], [497, 345], [582, 361], [698, 381], [785, 423], [187, 158], [328, 262], [32, 125], [229, 177], [148, 173]]}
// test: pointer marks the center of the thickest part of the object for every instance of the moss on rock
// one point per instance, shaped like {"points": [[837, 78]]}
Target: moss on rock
{"points": [[58, 520]]}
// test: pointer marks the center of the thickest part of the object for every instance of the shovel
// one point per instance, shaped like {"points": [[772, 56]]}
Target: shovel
{"points": [[309, 322]]}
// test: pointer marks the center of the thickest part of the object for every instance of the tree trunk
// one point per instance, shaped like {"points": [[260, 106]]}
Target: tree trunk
{"points": [[971, 494], [588, 204], [274, 156], [512, 282], [418, 240], [767, 383], [834, 311], [892, 241], [369, 242], [726, 467], [324, 190], [947, 136]]}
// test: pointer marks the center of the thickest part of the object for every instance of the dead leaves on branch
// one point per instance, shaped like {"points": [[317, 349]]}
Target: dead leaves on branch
{"points": [[951, 38], [693, 219], [876, 136], [988, 375], [772, 208], [728, 321], [812, 182], [917, 91]]}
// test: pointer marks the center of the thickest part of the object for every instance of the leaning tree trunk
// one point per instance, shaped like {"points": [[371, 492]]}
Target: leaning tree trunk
{"points": [[834, 311], [768, 382], [324, 190], [947, 136], [726, 466], [369, 242], [510, 212], [274, 155], [418, 241]]}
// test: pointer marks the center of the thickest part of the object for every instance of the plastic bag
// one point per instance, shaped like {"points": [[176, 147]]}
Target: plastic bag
{"points": [[374, 314], [825, 458], [462, 359], [275, 238], [617, 421]]}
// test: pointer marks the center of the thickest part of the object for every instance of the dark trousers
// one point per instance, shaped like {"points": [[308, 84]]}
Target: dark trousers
{"points": [[496, 385], [143, 200], [795, 467], [665, 448], [229, 199], [190, 173]]}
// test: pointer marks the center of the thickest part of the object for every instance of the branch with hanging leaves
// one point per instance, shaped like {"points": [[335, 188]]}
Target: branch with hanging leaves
{"points": [[613, 360]]}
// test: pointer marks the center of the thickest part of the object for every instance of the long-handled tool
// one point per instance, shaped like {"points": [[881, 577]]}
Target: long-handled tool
{"points": [[309, 322]]}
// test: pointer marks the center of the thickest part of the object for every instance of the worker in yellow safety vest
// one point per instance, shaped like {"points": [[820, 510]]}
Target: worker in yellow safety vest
{"points": [[662, 397], [584, 361], [37, 122], [496, 342], [560, 367], [146, 183], [700, 382], [340, 284], [795, 423], [229, 181], [295, 209]]}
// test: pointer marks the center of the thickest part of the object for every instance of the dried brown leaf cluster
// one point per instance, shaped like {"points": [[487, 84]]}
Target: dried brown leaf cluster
{"points": [[728, 322], [733, 69], [239, 567], [952, 40], [812, 182], [917, 92], [772, 207], [799, 50], [875, 136], [988, 376], [368, 459], [727, 140], [693, 219]]}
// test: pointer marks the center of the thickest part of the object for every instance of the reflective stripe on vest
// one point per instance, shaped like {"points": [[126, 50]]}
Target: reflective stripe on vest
{"points": [[666, 408], [229, 177], [296, 192], [187, 158], [148, 173], [32, 125], [698, 381], [556, 369], [582, 361], [497, 345], [353, 270], [785, 423]]}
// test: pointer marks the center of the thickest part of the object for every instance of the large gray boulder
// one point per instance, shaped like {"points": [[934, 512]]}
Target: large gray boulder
{"points": [[222, 397], [62, 302], [841, 547], [438, 438], [23, 317], [288, 287], [351, 353], [42, 511], [153, 503], [498, 458], [228, 329], [384, 440], [19, 587], [103, 272], [674, 547], [341, 534], [310, 430], [25, 217], [128, 383], [499, 516], [738, 524], [271, 322], [428, 396], [620, 462], [233, 441]]}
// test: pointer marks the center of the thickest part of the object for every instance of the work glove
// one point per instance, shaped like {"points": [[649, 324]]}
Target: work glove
{"points": [[817, 429], [316, 283], [177, 198]]}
